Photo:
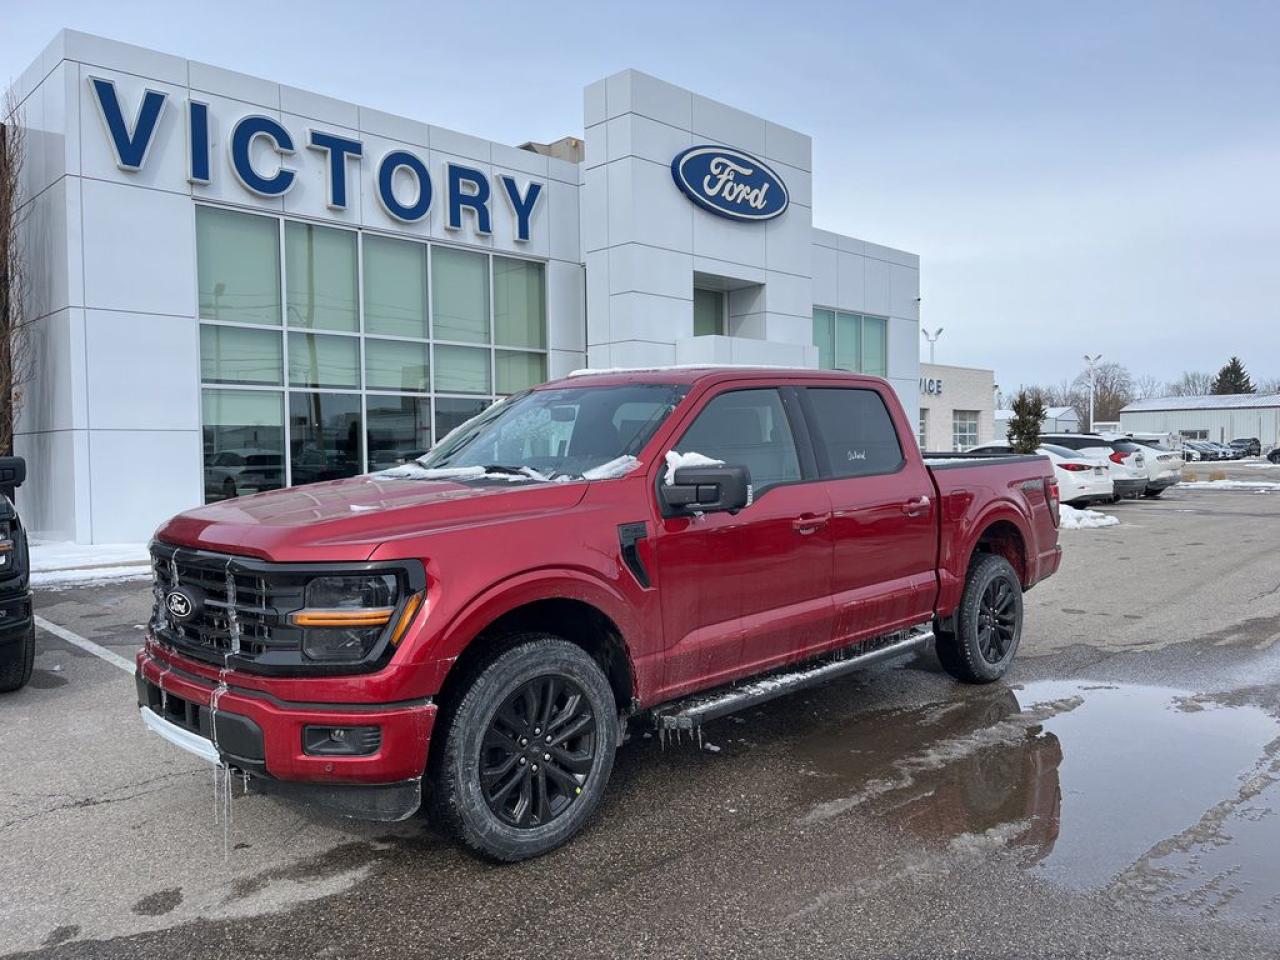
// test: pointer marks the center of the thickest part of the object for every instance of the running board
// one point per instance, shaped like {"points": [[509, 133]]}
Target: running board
{"points": [[692, 712]]}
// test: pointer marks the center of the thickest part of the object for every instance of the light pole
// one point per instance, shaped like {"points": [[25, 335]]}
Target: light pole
{"points": [[932, 338], [1093, 383]]}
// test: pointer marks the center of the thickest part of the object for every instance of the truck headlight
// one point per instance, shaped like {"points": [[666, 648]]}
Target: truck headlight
{"points": [[343, 617]]}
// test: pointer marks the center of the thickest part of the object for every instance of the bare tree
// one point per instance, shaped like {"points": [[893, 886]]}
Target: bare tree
{"points": [[1269, 385], [1146, 386], [16, 359], [1191, 384], [1112, 389]]}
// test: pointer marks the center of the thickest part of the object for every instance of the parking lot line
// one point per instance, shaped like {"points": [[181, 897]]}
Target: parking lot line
{"points": [[75, 639]]}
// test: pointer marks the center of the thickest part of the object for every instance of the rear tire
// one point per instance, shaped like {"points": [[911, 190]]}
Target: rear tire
{"points": [[988, 623], [528, 750], [17, 663]]}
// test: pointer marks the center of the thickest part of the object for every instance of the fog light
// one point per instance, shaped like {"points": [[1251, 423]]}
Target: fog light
{"points": [[341, 741]]}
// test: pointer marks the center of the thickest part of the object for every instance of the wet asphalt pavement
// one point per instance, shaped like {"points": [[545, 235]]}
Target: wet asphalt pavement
{"points": [[1118, 795]]}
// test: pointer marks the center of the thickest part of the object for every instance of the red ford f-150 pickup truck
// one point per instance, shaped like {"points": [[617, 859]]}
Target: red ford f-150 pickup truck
{"points": [[668, 545]]}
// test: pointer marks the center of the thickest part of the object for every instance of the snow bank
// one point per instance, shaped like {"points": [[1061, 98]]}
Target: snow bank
{"points": [[1230, 485], [1073, 519], [676, 460], [58, 563]]}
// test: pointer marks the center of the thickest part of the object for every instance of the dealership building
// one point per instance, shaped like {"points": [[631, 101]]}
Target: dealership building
{"points": [[237, 284], [957, 407]]}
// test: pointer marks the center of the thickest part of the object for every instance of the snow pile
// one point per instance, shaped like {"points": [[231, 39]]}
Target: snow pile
{"points": [[612, 470], [676, 460], [1073, 519], [59, 563], [1259, 485], [415, 471]]}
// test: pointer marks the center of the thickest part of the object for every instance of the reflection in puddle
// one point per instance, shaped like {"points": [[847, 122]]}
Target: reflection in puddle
{"points": [[1147, 791]]}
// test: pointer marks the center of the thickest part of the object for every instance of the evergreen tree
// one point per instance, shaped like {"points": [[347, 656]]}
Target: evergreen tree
{"points": [[1232, 378], [1024, 427]]}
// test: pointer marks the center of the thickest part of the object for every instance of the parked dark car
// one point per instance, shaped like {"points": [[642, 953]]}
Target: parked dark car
{"points": [[17, 627], [1274, 455], [1247, 446]]}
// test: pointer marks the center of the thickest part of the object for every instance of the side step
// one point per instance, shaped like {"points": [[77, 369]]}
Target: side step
{"points": [[692, 712]]}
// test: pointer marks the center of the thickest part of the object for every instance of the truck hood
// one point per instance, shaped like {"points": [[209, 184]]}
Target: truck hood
{"points": [[345, 520]]}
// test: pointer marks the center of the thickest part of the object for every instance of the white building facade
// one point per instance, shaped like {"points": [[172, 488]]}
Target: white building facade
{"points": [[957, 407], [238, 284]]}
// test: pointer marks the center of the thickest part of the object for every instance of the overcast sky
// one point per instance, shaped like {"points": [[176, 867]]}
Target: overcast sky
{"points": [[1100, 177]]}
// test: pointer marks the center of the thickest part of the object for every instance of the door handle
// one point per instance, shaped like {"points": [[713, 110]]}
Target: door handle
{"points": [[808, 523], [917, 507]]}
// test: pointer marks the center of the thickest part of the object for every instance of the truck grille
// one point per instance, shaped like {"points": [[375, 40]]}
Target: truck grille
{"points": [[243, 609]]}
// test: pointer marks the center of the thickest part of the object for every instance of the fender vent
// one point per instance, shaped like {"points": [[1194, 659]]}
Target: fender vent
{"points": [[629, 535]]}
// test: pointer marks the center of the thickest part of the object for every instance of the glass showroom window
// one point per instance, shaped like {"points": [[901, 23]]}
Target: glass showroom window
{"points": [[243, 438], [851, 341], [964, 429], [325, 351]]}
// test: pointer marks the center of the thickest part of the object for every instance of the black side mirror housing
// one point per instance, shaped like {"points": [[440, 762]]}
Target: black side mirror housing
{"points": [[13, 471], [705, 490]]}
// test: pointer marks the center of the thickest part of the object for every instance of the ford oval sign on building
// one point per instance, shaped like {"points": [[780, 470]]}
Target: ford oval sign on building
{"points": [[730, 183]]}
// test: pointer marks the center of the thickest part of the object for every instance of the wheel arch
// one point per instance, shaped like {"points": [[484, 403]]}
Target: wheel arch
{"points": [[579, 608]]}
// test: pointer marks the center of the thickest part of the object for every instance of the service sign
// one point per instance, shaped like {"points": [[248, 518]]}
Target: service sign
{"points": [[730, 183]]}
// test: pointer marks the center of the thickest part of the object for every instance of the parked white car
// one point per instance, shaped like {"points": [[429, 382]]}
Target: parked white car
{"points": [[1127, 460], [1081, 481], [1164, 466]]}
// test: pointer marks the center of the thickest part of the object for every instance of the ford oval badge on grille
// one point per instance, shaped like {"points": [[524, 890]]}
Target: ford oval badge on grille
{"points": [[182, 603], [730, 183]]}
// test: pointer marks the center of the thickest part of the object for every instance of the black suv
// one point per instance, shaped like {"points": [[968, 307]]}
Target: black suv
{"points": [[1247, 446], [17, 626]]}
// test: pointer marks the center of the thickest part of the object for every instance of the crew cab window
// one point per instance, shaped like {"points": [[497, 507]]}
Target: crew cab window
{"points": [[746, 428], [853, 432]]}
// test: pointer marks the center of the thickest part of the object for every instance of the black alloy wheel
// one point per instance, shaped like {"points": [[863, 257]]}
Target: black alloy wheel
{"points": [[523, 748], [997, 620], [537, 752], [978, 642]]}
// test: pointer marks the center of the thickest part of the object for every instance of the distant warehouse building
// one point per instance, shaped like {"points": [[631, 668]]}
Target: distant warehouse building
{"points": [[1220, 418]]}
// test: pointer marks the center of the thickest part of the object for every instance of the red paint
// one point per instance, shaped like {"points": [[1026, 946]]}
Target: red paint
{"points": [[807, 567]]}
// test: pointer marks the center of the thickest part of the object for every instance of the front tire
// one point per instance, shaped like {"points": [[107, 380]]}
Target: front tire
{"points": [[988, 623], [17, 663], [528, 750], [1152, 494]]}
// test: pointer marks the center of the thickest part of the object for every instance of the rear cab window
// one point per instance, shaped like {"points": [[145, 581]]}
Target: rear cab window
{"points": [[853, 433]]}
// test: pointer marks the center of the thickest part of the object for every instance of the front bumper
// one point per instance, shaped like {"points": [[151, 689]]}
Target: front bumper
{"points": [[262, 735], [15, 618], [1164, 482]]}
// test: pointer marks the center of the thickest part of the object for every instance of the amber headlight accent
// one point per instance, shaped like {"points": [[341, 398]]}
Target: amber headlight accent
{"points": [[344, 616]]}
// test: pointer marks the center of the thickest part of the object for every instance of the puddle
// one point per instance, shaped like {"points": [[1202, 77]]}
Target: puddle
{"points": [[1149, 793]]}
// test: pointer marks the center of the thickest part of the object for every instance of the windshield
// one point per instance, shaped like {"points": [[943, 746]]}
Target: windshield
{"points": [[563, 433]]}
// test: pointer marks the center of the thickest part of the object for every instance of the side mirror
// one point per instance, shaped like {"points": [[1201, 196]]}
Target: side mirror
{"points": [[13, 471], [705, 490]]}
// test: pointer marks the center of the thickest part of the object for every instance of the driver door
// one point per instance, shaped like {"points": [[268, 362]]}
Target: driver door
{"points": [[742, 592]]}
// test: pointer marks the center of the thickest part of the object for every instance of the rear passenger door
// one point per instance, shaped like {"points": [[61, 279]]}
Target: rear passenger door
{"points": [[884, 523], [744, 591]]}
